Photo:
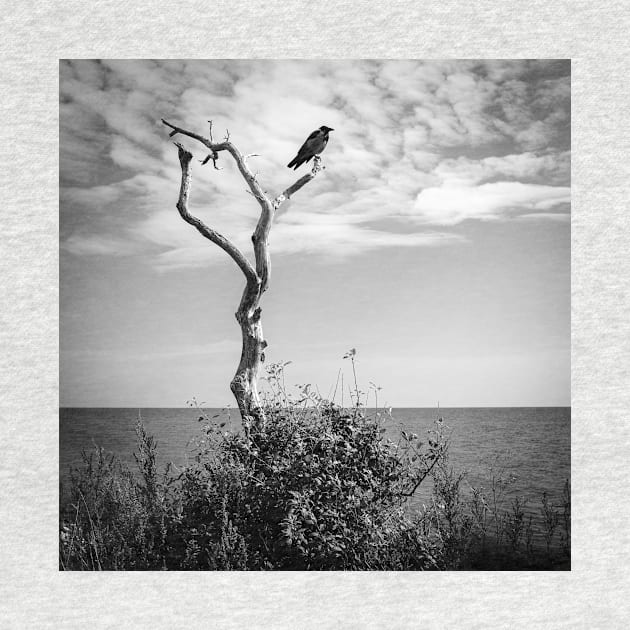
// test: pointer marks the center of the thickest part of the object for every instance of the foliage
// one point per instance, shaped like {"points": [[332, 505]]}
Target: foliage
{"points": [[312, 486], [111, 519], [479, 528]]}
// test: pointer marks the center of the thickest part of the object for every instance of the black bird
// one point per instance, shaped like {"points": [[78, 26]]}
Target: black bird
{"points": [[314, 145]]}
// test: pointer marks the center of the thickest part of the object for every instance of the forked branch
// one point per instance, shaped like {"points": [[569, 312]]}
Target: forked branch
{"points": [[185, 158], [215, 149], [268, 207]]}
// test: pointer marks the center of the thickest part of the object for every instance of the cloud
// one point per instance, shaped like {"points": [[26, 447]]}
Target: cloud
{"points": [[329, 241], [339, 241], [448, 206], [561, 217], [530, 167], [94, 245], [535, 113], [421, 143]]}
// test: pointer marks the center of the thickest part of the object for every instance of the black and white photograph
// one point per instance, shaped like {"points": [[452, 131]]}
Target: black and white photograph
{"points": [[315, 315]]}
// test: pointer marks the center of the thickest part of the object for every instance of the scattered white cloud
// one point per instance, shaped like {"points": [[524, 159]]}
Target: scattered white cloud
{"points": [[340, 241], [451, 205], [94, 245], [546, 216], [430, 143], [525, 167]]}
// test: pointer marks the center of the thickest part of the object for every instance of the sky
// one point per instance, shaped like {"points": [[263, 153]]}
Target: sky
{"points": [[436, 241]]}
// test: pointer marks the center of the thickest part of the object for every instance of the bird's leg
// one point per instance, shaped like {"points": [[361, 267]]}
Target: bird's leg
{"points": [[317, 164]]}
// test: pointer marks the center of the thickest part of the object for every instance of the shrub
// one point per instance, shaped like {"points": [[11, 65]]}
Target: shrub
{"points": [[312, 487]]}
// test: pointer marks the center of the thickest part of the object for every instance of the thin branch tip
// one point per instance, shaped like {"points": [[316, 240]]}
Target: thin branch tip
{"points": [[173, 127]]}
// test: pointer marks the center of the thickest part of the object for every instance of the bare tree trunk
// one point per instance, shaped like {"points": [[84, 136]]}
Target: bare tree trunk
{"points": [[244, 385]]}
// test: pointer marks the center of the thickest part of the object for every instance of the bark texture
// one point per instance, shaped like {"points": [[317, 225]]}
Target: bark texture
{"points": [[244, 385]]}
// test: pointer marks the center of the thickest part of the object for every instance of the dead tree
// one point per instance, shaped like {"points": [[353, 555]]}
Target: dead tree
{"points": [[244, 384]]}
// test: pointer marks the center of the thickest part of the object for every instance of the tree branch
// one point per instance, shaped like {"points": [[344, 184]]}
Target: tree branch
{"points": [[185, 158], [268, 207], [263, 262], [226, 145], [191, 134], [317, 167], [411, 492]]}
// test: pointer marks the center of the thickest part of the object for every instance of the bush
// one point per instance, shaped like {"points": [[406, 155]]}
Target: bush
{"points": [[313, 486], [309, 488]]}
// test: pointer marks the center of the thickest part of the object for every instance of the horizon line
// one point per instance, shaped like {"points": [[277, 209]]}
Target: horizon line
{"points": [[234, 407]]}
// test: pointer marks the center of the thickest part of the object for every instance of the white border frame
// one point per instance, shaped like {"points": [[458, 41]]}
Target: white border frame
{"points": [[34, 594]]}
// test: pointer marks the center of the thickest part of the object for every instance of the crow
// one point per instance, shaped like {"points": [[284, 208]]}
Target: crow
{"points": [[314, 145]]}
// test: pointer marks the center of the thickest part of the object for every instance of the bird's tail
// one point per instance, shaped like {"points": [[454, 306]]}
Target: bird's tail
{"points": [[294, 163]]}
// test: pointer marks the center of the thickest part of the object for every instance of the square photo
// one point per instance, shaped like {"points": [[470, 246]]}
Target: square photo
{"points": [[315, 315]]}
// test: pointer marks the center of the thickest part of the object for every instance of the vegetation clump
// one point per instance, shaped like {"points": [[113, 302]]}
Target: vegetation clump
{"points": [[311, 486]]}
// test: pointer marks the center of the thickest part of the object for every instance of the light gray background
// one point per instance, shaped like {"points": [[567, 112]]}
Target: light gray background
{"points": [[33, 594]]}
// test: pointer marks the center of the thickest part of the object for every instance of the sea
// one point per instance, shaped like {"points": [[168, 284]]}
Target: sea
{"points": [[529, 445]]}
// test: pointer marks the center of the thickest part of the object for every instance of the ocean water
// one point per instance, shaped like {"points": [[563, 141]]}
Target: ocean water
{"points": [[532, 443]]}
